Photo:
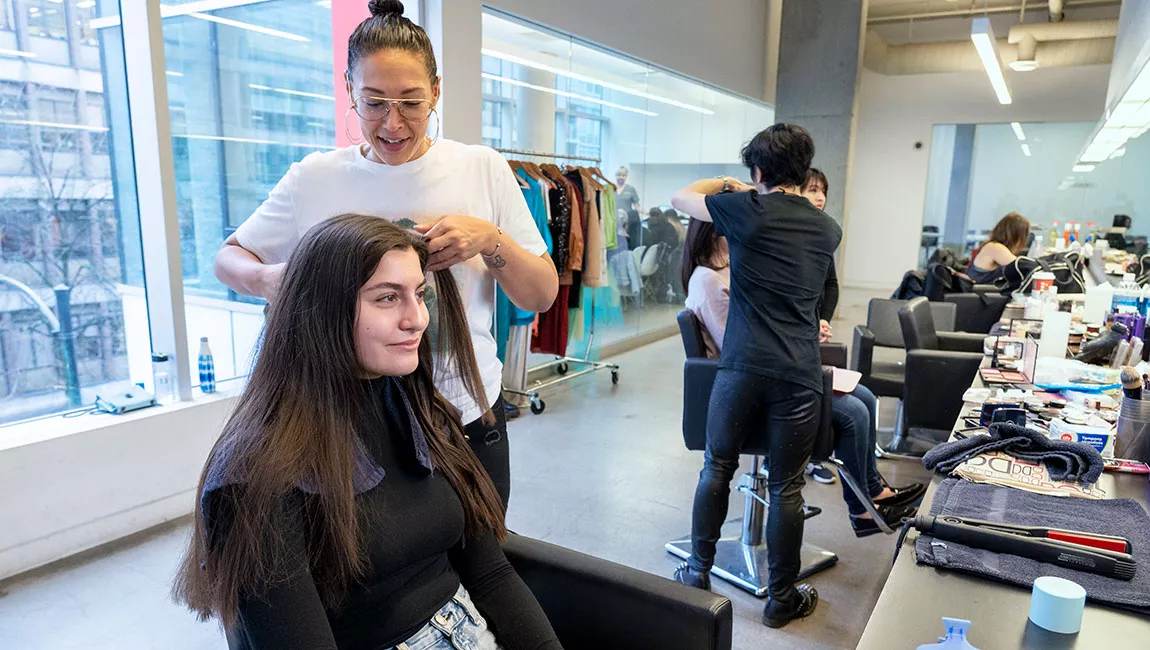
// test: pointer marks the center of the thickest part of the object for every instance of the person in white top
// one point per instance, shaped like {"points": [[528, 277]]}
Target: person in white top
{"points": [[463, 198]]}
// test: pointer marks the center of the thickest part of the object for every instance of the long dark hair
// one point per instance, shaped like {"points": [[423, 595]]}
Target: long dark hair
{"points": [[387, 29], [700, 249], [1012, 231], [295, 424]]}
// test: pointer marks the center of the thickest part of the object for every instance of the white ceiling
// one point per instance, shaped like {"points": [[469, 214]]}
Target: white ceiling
{"points": [[1035, 9], [930, 30]]}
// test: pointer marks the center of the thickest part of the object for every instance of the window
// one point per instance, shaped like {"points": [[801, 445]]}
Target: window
{"points": [[245, 105], [64, 298], [46, 18]]}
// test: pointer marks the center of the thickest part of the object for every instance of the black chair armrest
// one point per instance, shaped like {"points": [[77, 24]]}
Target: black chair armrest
{"points": [[982, 289], [698, 380], [935, 382], [833, 354], [960, 342], [862, 352], [593, 603]]}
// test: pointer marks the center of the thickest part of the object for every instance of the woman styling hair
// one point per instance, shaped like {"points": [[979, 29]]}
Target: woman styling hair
{"points": [[341, 505], [707, 275], [465, 198]]}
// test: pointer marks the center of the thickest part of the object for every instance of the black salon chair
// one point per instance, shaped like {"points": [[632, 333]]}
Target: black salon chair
{"points": [[593, 603], [977, 312], [940, 366], [741, 557], [879, 354]]}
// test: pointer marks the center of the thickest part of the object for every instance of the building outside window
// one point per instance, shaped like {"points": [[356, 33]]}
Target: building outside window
{"points": [[66, 250]]}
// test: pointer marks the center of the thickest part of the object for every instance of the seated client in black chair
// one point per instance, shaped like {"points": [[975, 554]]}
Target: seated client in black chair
{"points": [[705, 271], [342, 505], [770, 376]]}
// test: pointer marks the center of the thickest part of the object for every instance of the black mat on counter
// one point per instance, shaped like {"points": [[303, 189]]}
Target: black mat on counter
{"points": [[1118, 517]]}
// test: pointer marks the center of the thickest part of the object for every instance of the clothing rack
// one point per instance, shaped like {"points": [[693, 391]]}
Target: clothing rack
{"points": [[562, 365], [519, 152]]}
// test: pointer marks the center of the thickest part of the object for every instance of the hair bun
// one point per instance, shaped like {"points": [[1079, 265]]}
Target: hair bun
{"points": [[385, 8]]}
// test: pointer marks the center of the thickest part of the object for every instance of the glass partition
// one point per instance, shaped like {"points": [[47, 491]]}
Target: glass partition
{"points": [[549, 92], [980, 172]]}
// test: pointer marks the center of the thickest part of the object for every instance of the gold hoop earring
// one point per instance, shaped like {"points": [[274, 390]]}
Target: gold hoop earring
{"points": [[437, 128]]}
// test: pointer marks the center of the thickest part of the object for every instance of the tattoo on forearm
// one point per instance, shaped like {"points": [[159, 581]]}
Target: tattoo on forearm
{"points": [[496, 261]]}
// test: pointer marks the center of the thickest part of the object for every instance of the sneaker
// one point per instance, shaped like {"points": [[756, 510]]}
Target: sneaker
{"points": [[510, 411], [684, 574], [776, 615], [820, 473], [892, 515]]}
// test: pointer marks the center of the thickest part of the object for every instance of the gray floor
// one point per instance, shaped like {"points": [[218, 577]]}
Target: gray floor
{"points": [[603, 471]]}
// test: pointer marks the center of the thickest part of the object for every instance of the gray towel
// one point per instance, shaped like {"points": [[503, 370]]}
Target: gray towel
{"points": [[1118, 517], [1075, 462]]}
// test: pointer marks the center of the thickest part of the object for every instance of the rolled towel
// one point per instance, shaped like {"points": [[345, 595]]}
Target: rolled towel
{"points": [[1065, 461]]}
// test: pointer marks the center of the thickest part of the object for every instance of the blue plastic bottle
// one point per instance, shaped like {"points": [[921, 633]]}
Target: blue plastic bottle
{"points": [[207, 367]]}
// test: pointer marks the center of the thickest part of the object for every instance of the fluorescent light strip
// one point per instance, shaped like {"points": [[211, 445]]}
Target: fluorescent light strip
{"points": [[56, 125], [1026, 149], [251, 28], [1018, 131], [224, 138], [297, 93], [510, 58], [19, 53], [186, 9], [86, 4], [563, 93], [983, 37], [1083, 168], [173, 73]]}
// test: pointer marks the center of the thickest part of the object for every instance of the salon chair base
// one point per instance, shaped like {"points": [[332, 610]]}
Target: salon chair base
{"points": [[746, 566]]}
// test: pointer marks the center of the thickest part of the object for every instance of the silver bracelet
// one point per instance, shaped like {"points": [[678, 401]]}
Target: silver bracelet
{"points": [[494, 260]]}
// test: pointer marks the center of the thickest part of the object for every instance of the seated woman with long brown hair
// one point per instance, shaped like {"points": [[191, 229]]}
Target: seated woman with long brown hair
{"points": [[1009, 239], [342, 506]]}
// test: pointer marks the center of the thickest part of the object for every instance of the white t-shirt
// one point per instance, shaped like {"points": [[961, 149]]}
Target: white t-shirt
{"points": [[451, 178]]}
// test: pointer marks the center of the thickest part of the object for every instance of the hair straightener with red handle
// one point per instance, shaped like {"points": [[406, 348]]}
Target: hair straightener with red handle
{"points": [[1090, 552]]}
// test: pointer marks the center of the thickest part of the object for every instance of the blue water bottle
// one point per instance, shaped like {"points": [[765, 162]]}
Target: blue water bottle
{"points": [[207, 367]]}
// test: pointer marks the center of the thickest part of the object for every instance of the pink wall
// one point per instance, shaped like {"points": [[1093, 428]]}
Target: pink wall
{"points": [[345, 16]]}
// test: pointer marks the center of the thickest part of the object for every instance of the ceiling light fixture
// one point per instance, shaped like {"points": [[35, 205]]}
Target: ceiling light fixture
{"points": [[983, 37], [173, 73], [510, 58], [1023, 66], [250, 27], [1129, 120], [564, 93], [86, 4], [56, 125], [1083, 168], [286, 91], [224, 138], [19, 53], [1026, 149], [1018, 131]]}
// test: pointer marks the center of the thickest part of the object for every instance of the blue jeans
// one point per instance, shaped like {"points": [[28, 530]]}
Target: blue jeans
{"points": [[456, 626], [853, 417]]}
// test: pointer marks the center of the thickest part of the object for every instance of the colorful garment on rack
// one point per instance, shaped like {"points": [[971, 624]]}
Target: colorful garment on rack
{"points": [[534, 194], [507, 315], [560, 224], [551, 336], [594, 253], [609, 216]]}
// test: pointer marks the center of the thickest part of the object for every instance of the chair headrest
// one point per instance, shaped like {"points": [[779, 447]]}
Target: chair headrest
{"points": [[692, 332]]}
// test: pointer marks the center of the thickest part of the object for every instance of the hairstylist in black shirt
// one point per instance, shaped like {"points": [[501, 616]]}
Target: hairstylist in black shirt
{"points": [[770, 377]]}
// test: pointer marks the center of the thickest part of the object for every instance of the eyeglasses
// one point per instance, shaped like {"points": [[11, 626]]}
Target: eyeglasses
{"points": [[378, 108]]}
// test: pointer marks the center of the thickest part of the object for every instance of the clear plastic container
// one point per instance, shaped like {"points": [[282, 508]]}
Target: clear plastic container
{"points": [[162, 384]]}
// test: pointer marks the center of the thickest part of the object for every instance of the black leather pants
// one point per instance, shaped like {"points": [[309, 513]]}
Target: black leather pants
{"points": [[746, 406]]}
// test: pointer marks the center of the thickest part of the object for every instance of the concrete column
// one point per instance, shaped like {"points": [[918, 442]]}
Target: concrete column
{"points": [[456, 31], [535, 111], [958, 196], [820, 47]]}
